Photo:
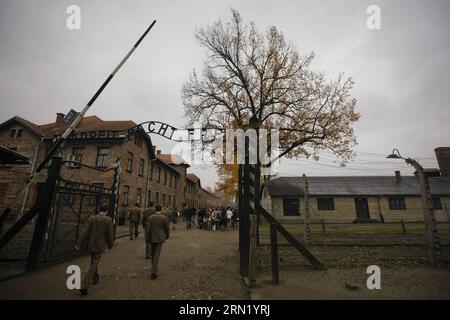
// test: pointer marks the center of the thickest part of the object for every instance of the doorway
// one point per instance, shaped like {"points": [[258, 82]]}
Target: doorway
{"points": [[362, 209]]}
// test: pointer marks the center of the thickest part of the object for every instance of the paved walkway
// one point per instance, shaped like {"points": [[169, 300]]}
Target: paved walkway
{"points": [[194, 264]]}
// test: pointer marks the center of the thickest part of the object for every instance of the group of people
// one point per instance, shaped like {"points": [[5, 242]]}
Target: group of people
{"points": [[98, 235], [214, 219]]}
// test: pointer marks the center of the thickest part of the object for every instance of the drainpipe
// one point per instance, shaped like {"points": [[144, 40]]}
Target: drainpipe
{"points": [[148, 183], [33, 168]]}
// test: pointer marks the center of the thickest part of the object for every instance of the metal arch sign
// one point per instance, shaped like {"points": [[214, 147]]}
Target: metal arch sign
{"points": [[172, 133]]}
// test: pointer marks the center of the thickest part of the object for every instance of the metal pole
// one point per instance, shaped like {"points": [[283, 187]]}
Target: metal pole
{"points": [[80, 116]]}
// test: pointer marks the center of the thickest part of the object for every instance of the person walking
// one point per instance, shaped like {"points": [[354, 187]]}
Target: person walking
{"points": [[229, 217], [158, 233], [146, 214], [134, 215], [98, 235]]}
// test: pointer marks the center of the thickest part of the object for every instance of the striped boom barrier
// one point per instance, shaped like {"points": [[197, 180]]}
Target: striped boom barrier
{"points": [[80, 116]]}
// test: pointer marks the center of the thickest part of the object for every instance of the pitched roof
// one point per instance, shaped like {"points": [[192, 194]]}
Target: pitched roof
{"points": [[173, 159], [34, 128], [90, 123], [192, 177], [211, 194], [9, 156], [355, 185], [165, 164]]}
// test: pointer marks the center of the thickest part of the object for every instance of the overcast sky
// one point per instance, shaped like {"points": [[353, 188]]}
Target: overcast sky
{"points": [[402, 72]]}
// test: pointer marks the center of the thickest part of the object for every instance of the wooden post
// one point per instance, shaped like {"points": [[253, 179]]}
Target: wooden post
{"points": [[323, 226], [307, 214], [403, 226], [274, 253]]}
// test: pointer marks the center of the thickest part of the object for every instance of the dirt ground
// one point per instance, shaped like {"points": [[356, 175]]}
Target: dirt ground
{"points": [[199, 264], [350, 284], [405, 274], [194, 264]]}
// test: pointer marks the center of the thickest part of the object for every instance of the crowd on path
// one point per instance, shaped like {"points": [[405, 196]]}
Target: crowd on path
{"points": [[98, 234], [212, 219]]}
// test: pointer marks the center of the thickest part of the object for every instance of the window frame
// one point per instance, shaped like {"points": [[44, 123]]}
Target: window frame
{"points": [[397, 203], [325, 204], [141, 167], [139, 197], [285, 206], [103, 156], [436, 203], [130, 157], [126, 195]]}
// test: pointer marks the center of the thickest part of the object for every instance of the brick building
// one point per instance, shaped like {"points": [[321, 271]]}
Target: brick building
{"points": [[96, 143], [164, 182], [145, 174], [360, 198]]}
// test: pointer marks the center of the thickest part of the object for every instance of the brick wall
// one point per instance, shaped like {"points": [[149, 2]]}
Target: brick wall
{"points": [[163, 188]]}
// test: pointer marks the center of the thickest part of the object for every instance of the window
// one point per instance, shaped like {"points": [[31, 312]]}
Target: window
{"points": [[158, 174], [141, 167], [290, 206], [168, 201], [16, 133], [176, 182], [70, 195], [397, 203], [130, 162], [102, 157], [77, 156], [151, 171], [149, 198], [138, 197], [436, 202], [325, 204], [95, 200], [126, 195], [165, 177], [157, 198], [170, 179], [164, 200]]}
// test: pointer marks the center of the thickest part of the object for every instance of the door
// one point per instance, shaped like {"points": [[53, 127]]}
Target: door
{"points": [[362, 208]]}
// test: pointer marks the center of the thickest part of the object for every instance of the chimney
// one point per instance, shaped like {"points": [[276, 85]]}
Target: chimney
{"points": [[158, 152], [443, 159], [398, 177], [59, 118]]}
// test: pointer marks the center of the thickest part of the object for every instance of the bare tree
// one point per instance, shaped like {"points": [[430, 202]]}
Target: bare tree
{"points": [[253, 74]]}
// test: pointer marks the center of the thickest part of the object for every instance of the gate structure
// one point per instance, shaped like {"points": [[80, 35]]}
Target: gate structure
{"points": [[248, 197], [62, 207]]}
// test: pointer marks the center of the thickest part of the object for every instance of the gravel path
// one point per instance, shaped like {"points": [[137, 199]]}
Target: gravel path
{"points": [[194, 264]]}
